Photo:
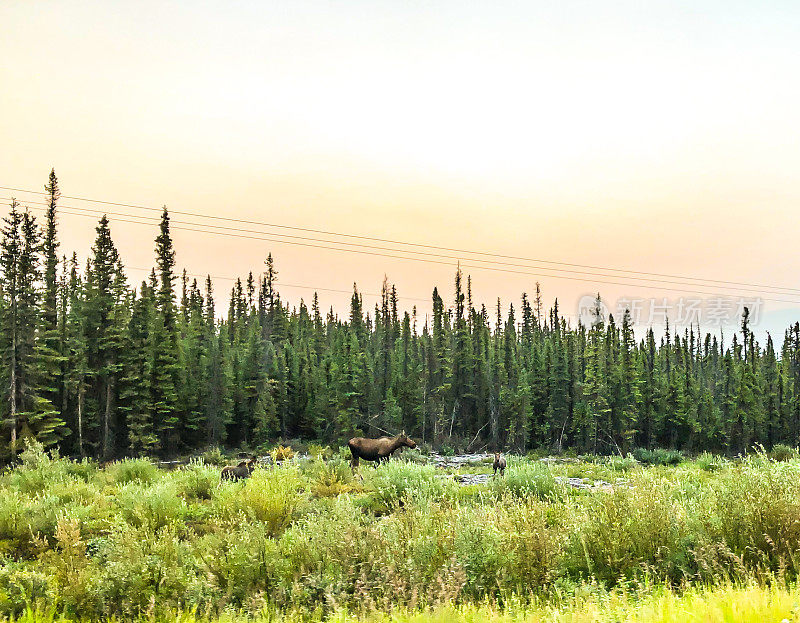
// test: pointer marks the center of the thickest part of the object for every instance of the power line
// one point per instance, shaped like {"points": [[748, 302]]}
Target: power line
{"points": [[557, 271], [539, 274], [763, 287], [417, 259], [284, 285]]}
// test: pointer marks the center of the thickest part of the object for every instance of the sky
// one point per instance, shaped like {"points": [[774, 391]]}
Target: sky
{"points": [[658, 137]]}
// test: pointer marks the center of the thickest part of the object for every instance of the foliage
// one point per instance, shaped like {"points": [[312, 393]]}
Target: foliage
{"points": [[524, 479], [282, 453], [397, 482], [709, 462], [308, 537], [659, 456], [783, 452], [106, 369]]}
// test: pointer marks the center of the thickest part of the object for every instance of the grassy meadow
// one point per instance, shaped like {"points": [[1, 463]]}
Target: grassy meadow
{"points": [[651, 537]]}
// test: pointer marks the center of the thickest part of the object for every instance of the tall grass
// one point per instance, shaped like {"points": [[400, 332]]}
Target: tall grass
{"points": [[524, 479], [309, 538], [729, 604]]}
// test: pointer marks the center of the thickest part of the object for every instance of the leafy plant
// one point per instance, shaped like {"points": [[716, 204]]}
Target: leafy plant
{"points": [[782, 452]]}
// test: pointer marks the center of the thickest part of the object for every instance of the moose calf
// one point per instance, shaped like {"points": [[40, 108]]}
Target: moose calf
{"points": [[499, 464], [242, 470]]}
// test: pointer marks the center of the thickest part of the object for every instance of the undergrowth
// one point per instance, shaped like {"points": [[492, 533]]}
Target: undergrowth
{"points": [[311, 538]]}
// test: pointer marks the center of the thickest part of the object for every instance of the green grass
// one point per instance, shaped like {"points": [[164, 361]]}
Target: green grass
{"points": [[310, 539], [727, 604]]}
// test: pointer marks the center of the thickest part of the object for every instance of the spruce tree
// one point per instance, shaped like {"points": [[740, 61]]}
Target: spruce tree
{"points": [[170, 421]]}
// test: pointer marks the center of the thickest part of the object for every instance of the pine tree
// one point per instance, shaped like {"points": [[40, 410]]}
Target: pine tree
{"points": [[77, 365], [105, 313], [136, 400], [51, 344], [30, 413], [170, 421]]}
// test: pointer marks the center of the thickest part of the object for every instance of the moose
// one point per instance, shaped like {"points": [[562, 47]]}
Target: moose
{"points": [[377, 449], [499, 464], [240, 471]]}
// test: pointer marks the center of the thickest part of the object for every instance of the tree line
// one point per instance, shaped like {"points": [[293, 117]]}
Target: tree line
{"points": [[104, 369]]}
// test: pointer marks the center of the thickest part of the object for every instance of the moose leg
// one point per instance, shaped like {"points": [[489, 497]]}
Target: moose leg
{"points": [[354, 463]]}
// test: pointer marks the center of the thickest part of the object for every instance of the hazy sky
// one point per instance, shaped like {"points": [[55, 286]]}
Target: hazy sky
{"points": [[652, 136]]}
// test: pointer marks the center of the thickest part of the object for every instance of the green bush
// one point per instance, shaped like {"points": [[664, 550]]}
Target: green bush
{"points": [[140, 570], [132, 470], [320, 452], [756, 514], [621, 463], [524, 479], [331, 478], [709, 462], [134, 541], [22, 587], [659, 456], [395, 482], [197, 481], [37, 469], [268, 496], [782, 452], [213, 456], [154, 507], [630, 533], [447, 450]]}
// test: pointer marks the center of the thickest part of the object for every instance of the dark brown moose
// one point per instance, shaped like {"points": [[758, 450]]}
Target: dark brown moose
{"points": [[377, 449], [237, 472], [499, 464]]}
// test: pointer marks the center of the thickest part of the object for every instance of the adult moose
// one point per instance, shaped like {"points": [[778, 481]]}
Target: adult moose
{"points": [[242, 470], [377, 449]]}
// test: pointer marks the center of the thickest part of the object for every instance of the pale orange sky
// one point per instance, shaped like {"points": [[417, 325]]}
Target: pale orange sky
{"points": [[657, 137]]}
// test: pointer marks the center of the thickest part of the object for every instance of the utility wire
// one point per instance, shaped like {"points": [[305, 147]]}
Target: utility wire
{"points": [[397, 242], [417, 259], [282, 284], [379, 248]]}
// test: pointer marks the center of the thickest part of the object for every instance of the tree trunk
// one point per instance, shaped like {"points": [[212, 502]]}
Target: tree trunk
{"points": [[80, 420], [495, 423], [13, 387], [107, 420]]}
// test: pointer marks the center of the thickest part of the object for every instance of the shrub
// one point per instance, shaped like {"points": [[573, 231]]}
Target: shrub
{"points": [[344, 453], [37, 469], [412, 456], [132, 470], [143, 571], [629, 533], [621, 463], [524, 479], [319, 451], [268, 496], [22, 587], [80, 470], [709, 462], [781, 452], [447, 450], [532, 544], [396, 481], [331, 478], [238, 563], [659, 456], [282, 453], [756, 512], [197, 481], [153, 507], [213, 456]]}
